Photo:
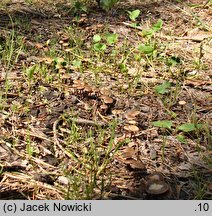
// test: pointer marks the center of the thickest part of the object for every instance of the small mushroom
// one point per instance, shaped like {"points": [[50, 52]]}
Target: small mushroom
{"points": [[128, 153], [132, 122], [156, 187], [131, 115], [68, 50], [182, 102], [78, 84], [63, 180], [107, 99], [131, 128], [62, 71]]}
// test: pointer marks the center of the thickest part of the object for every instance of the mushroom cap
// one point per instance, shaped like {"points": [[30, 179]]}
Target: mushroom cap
{"points": [[107, 99], [131, 128], [182, 102], [156, 187], [131, 115], [79, 84]]}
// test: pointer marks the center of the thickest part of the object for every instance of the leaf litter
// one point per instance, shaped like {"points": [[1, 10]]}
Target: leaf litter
{"points": [[50, 106]]}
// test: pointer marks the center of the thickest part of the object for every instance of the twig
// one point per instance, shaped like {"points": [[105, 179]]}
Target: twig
{"points": [[88, 122]]}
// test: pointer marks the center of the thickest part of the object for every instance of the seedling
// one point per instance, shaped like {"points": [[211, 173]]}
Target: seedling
{"points": [[182, 139], [146, 49], [165, 124], [79, 7], [155, 28], [77, 63], [59, 63], [107, 4], [111, 38], [163, 88], [133, 15], [189, 127], [96, 38], [173, 61], [30, 72]]}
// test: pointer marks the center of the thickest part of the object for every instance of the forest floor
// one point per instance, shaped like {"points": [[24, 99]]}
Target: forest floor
{"points": [[105, 105]]}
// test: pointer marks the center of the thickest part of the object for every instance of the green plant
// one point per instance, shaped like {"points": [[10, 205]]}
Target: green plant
{"points": [[147, 49], [189, 127], [155, 28], [163, 88], [164, 125], [79, 7], [182, 139], [90, 158], [199, 185], [107, 4], [133, 15], [111, 38], [107, 39]]}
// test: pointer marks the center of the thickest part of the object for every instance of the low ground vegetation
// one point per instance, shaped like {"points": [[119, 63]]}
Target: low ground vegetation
{"points": [[105, 104]]}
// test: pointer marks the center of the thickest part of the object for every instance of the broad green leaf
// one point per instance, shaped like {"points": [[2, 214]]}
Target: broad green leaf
{"points": [[146, 49], [123, 67], [182, 139], [147, 32], [59, 62], [111, 38], [163, 88], [134, 14], [163, 124], [173, 61], [96, 38], [99, 47], [158, 25], [189, 127], [77, 63], [30, 71]]}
